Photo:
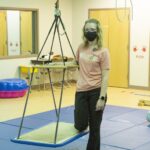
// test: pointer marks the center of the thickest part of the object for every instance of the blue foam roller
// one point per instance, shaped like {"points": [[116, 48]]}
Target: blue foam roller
{"points": [[13, 84]]}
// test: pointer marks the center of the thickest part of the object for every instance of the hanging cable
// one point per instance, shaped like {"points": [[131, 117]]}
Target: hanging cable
{"points": [[131, 8], [125, 12]]}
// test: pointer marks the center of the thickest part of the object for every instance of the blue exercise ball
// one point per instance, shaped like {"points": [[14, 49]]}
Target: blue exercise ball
{"points": [[148, 116]]}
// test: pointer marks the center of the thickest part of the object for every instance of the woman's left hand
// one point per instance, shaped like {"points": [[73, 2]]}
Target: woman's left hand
{"points": [[100, 105]]}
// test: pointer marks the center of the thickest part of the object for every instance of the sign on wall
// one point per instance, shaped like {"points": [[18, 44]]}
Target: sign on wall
{"points": [[139, 64], [13, 32]]}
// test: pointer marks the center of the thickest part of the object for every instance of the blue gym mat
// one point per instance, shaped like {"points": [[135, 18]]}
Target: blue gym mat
{"points": [[41, 119], [129, 138], [122, 129], [144, 147], [77, 145], [30, 122], [8, 131], [110, 127], [136, 117], [112, 111]]}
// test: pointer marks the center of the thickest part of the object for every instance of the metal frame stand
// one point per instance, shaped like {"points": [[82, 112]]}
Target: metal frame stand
{"points": [[54, 25]]}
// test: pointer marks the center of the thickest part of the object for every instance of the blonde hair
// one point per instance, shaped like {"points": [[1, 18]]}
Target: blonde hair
{"points": [[99, 32]]}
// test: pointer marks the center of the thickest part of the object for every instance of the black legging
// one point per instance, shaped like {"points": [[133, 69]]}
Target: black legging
{"points": [[85, 114]]}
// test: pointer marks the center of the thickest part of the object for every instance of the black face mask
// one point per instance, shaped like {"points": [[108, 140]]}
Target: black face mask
{"points": [[91, 36]]}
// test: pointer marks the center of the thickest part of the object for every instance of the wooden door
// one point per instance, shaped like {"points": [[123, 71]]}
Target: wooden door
{"points": [[26, 32], [3, 35], [116, 38]]}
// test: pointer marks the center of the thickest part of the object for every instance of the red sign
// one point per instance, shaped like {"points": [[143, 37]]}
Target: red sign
{"points": [[134, 49]]}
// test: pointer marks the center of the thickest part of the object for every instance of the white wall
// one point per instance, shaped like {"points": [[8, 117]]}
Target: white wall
{"points": [[8, 68], [74, 13], [140, 38], [139, 33]]}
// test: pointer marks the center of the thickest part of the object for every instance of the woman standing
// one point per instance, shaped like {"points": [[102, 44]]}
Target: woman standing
{"points": [[90, 98]]}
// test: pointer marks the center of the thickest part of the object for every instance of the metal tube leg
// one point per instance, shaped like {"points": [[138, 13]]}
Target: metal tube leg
{"points": [[60, 43], [56, 20], [67, 36], [25, 107], [51, 86], [46, 39], [56, 131]]}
